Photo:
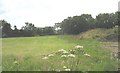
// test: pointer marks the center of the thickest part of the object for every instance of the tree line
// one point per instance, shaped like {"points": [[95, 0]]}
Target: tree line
{"points": [[70, 25], [26, 31], [78, 24]]}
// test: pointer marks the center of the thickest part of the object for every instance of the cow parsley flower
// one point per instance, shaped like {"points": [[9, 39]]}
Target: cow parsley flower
{"points": [[15, 62], [71, 55], [64, 56], [45, 58], [72, 50], [61, 50], [65, 52], [50, 55], [78, 46], [87, 55], [67, 69], [64, 67]]}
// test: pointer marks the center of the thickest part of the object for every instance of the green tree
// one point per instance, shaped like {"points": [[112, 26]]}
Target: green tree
{"points": [[28, 29], [76, 24], [48, 31], [106, 20], [6, 29], [16, 32]]}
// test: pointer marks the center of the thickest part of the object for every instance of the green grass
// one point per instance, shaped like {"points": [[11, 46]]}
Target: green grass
{"points": [[29, 51], [35, 45]]}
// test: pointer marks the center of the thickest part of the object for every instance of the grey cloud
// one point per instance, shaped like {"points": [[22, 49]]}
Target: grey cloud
{"points": [[2, 12], [119, 6]]}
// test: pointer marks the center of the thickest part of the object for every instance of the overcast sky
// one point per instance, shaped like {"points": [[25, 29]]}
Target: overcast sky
{"points": [[47, 12]]}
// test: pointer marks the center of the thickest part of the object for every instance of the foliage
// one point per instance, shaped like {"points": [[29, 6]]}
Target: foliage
{"points": [[76, 24], [106, 20], [6, 28], [28, 30]]}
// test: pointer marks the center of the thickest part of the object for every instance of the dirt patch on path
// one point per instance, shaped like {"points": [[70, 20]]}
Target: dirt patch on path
{"points": [[111, 46]]}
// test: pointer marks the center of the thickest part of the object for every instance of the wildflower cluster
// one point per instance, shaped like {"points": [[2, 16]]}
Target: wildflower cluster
{"points": [[68, 55], [65, 54], [62, 51], [48, 56]]}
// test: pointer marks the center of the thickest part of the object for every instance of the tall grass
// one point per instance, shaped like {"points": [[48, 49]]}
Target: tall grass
{"points": [[96, 33], [26, 54]]}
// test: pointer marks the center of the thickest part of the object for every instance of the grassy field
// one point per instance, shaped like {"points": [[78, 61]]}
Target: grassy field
{"points": [[31, 53]]}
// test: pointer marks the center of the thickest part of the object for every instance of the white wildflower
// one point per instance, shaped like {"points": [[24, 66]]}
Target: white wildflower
{"points": [[64, 67], [71, 50], [58, 70], [15, 62], [65, 52], [116, 26], [50, 55], [87, 55], [61, 50], [78, 46], [45, 58], [71, 55], [64, 56], [67, 69]]}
